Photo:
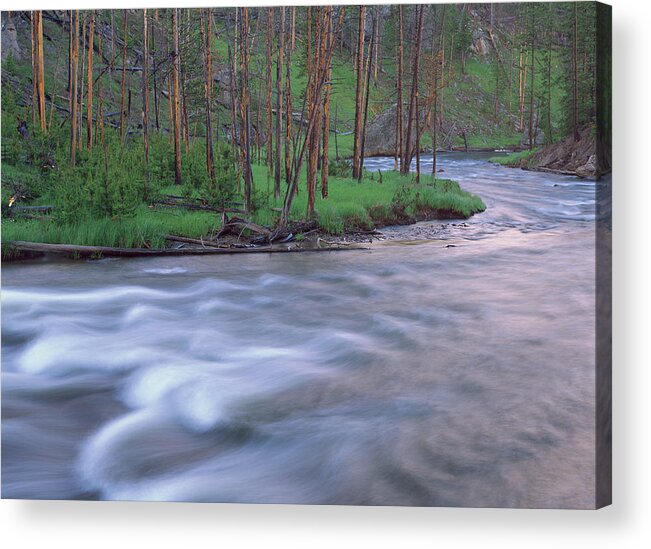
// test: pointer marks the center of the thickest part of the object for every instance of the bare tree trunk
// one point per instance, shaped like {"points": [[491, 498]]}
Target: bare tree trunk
{"points": [[279, 104], [38, 69], [413, 111], [315, 103], [367, 87], [89, 115], [376, 37], [434, 118], [175, 93], [359, 93], [288, 104], [510, 85], [268, 89], [399, 116], [293, 28], [100, 112], [245, 109], [575, 77], [74, 66], [206, 33], [531, 102], [124, 74], [329, 39], [145, 85]]}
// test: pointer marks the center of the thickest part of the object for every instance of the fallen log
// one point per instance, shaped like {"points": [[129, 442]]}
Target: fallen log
{"points": [[107, 251], [237, 225], [197, 241], [44, 209]]}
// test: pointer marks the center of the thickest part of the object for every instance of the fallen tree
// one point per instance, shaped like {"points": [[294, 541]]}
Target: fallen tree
{"points": [[106, 251]]}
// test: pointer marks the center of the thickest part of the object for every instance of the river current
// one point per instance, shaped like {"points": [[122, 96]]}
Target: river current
{"points": [[453, 371]]}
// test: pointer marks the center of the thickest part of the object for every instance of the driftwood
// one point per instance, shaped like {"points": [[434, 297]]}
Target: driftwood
{"points": [[197, 241], [106, 251], [237, 225], [44, 209]]}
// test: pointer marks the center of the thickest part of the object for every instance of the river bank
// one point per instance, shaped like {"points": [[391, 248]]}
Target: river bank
{"points": [[575, 157], [353, 211]]}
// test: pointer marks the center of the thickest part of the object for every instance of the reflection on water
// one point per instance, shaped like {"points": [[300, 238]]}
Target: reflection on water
{"points": [[407, 375]]}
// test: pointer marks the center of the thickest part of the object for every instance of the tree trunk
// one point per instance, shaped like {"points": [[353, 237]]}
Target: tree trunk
{"points": [[175, 93], [399, 116], [358, 93], [268, 89], [531, 101], [245, 109], [89, 115], [206, 32], [124, 74], [279, 104], [414, 92], [575, 76], [38, 71], [288, 104], [74, 67], [367, 88], [145, 85], [326, 108]]}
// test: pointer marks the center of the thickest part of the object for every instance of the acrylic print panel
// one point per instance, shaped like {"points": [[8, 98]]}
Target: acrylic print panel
{"points": [[314, 255]]}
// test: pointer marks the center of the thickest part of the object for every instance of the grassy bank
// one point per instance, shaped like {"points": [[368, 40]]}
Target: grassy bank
{"points": [[378, 200], [514, 160]]}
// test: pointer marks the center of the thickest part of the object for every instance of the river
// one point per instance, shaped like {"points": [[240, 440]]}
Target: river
{"points": [[450, 371]]}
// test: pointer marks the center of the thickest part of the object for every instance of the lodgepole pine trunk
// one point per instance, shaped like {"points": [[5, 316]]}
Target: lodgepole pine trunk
{"points": [[288, 105], [245, 109], [531, 100], [413, 110], [124, 74], [89, 93], [74, 78], [268, 89], [279, 104], [145, 85], [329, 40], [206, 32], [575, 75], [175, 92], [367, 91], [100, 111], [359, 93], [38, 81], [397, 163]]}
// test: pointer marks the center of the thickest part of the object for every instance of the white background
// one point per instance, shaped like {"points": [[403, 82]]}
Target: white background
{"points": [[625, 524]]}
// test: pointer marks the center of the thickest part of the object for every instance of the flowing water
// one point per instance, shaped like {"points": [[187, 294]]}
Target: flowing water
{"points": [[453, 371]]}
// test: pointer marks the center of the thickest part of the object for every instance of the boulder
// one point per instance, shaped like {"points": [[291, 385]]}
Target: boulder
{"points": [[10, 40], [381, 132]]}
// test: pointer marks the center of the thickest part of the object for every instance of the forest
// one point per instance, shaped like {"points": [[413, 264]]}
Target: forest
{"points": [[133, 128]]}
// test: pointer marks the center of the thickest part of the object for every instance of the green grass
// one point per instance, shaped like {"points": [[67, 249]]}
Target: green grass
{"points": [[372, 202], [147, 228], [513, 159], [351, 205]]}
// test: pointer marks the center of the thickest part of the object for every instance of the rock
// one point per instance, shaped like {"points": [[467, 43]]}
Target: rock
{"points": [[10, 40], [589, 169], [381, 133]]}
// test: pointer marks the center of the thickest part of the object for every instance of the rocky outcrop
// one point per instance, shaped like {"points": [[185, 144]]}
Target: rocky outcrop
{"points": [[380, 137], [10, 44], [570, 156]]}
